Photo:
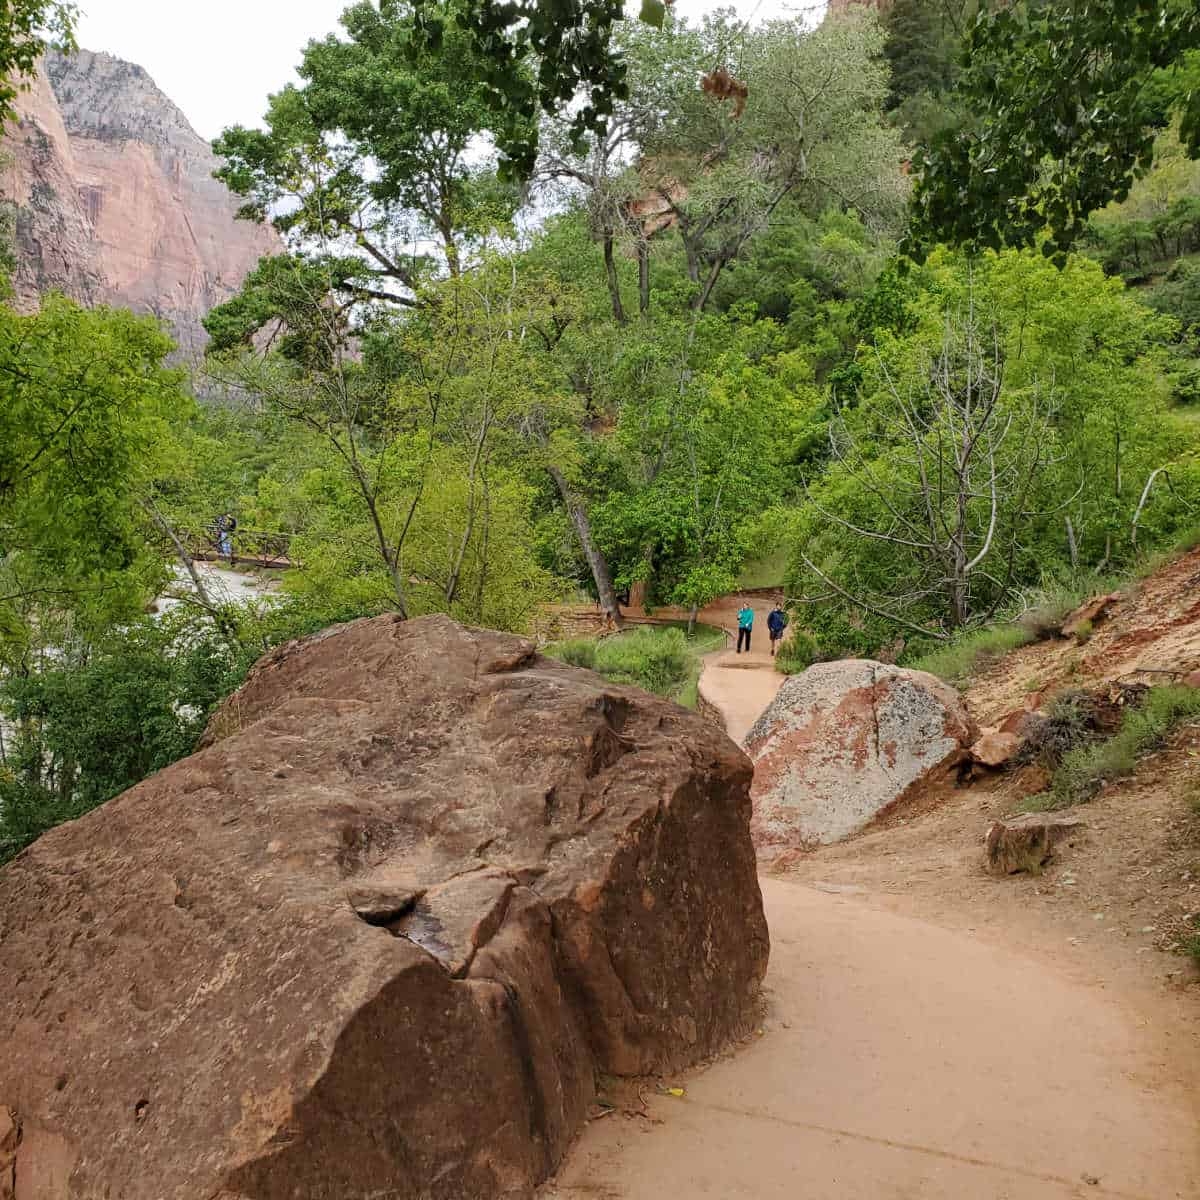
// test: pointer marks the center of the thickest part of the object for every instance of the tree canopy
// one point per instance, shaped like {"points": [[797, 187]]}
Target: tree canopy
{"points": [[1066, 100]]}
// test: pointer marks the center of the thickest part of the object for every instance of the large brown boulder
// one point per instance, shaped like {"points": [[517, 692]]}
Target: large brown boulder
{"points": [[378, 937], [845, 740]]}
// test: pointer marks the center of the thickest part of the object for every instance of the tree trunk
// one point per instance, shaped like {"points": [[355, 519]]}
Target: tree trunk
{"points": [[644, 279], [693, 613], [595, 560], [614, 284], [218, 616]]}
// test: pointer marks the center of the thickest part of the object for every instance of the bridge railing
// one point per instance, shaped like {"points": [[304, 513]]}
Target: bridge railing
{"points": [[261, 547]]}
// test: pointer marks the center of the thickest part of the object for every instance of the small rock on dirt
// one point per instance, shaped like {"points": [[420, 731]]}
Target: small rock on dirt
{"points": [[1089, 612], [1027, 843], [995, 748]]}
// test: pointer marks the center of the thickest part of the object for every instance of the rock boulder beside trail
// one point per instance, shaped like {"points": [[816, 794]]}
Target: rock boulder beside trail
{"points": [[1027, 843], [380, 935], [844, 741]]}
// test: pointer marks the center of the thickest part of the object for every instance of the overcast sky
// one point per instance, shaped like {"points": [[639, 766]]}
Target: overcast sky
{"points": [[220, 59]]}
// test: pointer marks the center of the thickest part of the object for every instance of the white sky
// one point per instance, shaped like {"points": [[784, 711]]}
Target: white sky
{"points": [[220, 59]]}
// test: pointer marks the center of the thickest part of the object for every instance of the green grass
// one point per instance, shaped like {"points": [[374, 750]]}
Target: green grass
{"points": [[765, 572], [657, 658], [1047, 608], [1084, 770], [957, 661], [1190, 942]]}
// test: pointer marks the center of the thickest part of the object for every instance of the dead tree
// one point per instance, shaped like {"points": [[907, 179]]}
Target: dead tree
{"points": [[954, 480]]}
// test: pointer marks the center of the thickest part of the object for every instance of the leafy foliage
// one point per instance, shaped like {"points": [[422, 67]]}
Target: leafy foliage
{"points": [[375, 151], [536, 53], [1041, 155], [1078, 355], [27, 29], [97, 720], [85, 411], [797, 654], [656, 659]]}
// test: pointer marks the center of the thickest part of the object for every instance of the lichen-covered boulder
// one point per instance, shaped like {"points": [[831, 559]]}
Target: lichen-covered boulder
{"points": [[845, 740], [379, 936]]}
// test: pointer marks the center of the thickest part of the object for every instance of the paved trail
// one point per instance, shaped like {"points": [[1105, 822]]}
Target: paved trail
{"points": [[900, 1060]]}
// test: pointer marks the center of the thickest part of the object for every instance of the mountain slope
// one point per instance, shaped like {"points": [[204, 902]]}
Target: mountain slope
{"points": [[114, 201]]}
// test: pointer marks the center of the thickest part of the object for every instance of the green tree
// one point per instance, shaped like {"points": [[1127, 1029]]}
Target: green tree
{"points": [[535, 54], [377, 149], [85, 414], [1004, 433], [27, 29], [923, 48], [409, 496], [100, 715], [810, 132], [1042, 154]]}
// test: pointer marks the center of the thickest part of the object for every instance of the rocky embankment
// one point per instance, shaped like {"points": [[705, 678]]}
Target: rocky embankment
{"points": [[380, 936], [114, 201]]}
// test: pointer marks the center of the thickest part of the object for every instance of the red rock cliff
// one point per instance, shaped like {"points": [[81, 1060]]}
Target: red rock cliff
{"points": [[115, 201]]}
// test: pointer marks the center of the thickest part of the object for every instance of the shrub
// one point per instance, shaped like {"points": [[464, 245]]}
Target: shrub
{"points": [[1189, 943], [1067, 725], [655, 659], [1085, 769], [86, 731], [797, 654], [577, 652]]}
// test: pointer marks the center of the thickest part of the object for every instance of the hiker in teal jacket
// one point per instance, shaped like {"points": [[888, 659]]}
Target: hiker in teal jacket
{"points": [[745, 627]]}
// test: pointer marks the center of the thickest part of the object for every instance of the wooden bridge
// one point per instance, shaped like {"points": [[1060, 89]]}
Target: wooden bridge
{"points": [[252, 547]]}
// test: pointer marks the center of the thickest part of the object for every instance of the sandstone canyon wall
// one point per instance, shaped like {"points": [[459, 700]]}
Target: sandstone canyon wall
{"points": [[114, 200]]}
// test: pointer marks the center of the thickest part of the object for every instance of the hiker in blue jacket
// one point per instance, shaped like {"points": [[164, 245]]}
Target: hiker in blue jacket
{"points": [[745, 626], [776, 624]]}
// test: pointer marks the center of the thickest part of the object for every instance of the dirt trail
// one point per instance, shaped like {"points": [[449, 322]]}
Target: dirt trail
{"points": [[902, 1060], [740, 686], [930, 1034]]}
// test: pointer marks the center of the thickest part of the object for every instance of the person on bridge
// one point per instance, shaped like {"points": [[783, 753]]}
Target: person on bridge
{"points": [[226, 525], [776, 624], [745, 627]]}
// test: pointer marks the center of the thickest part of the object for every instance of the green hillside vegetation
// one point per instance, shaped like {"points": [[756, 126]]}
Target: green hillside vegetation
{"points": [[508, 357]]}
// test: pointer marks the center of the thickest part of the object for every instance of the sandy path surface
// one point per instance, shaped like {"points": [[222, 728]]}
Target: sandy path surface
{"points": [[902, 1060], [740, 685], [909, 1057]]}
